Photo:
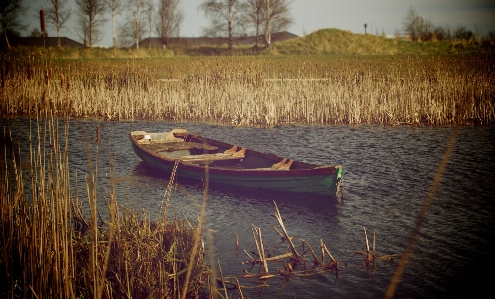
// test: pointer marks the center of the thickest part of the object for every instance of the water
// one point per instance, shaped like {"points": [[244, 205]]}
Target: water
{"points": [[387, 173]]}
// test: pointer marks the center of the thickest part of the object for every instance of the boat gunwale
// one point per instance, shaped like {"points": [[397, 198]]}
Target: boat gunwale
{"points": [[315, 170]]}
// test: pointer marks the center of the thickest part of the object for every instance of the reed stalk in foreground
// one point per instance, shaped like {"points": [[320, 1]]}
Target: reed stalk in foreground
{"points": [[50, 249]]}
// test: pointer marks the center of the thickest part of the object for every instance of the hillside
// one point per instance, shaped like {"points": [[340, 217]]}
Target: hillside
{"points": [[339, 42]]}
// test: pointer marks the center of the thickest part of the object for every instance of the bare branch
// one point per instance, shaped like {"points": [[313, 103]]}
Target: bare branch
{"points": [[10, 12], [278, 17], [58, 13], [170, 18], [225, 18], [115, 7], [91, 13]]}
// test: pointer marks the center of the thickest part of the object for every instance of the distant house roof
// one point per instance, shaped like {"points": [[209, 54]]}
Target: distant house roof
{"points": [[156, 42], [39, 42], [282, 36]]}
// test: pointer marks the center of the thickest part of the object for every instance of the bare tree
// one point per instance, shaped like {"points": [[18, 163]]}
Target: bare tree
{"points": [[421, 29], [462, 33], [115, 7], [417, 27], [477, 31], [254, 15], [137, 19], [397, 34], [83, 28], [134, 28], [277, 17], [10, 12], [268, 32], [225, 18], [37, 33], [149, 10], [170, 18], [425, 29], [439, 33], [489, 37], [58, 14], [126, 36], [410, 24], [91, 13]]}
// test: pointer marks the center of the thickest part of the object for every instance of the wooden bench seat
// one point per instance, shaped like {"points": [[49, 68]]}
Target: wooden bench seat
{"points": [[209, 157], [189, 146], [178, 146]]}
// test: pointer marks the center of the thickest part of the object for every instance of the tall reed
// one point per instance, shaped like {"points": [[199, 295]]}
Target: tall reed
{"points": [[388, 90], [51, 249]]}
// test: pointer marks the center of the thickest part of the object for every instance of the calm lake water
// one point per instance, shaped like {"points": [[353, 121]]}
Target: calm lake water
{"points": [[387, 173]]}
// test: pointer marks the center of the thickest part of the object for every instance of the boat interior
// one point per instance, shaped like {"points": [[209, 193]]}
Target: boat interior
{"points": [[197, 150]]}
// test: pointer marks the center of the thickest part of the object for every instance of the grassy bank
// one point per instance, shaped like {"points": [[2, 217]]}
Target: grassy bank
{"points": [[258, 90], [339, 42], [52, 249], [320, 42]]}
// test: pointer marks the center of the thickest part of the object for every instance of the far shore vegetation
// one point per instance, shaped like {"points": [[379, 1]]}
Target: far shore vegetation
{"points": [[321, 42], [329, 77]]}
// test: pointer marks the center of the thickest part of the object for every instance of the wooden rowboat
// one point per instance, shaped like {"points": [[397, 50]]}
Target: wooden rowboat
{"points": [[189, 155]]}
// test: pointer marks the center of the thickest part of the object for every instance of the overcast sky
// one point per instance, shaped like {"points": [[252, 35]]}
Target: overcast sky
{"points": [[310, 15]]}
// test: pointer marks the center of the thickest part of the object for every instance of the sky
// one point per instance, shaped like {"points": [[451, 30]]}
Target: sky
{"points": [[310, 15]]}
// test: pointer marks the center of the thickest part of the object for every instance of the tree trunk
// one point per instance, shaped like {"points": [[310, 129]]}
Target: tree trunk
{"points": [[137, 26], [231, 41], [257, 29], [268, 35], [57, 19], [91, 32], [113, 30], [59, 44], [6, 38], [164, 37], [150, 37]]}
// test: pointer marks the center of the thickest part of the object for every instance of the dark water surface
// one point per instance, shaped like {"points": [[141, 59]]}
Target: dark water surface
{"points": [[387, 173]]}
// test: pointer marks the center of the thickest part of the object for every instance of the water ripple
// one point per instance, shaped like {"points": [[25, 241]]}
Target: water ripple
{"points": [[387, 173]]}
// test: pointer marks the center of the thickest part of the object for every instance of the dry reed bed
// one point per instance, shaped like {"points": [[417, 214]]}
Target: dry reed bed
{"points": [[50, 249], [292, 261], [389, 90]]}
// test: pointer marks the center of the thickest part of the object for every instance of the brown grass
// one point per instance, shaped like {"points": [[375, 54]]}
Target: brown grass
{"points": [[260, 91], [51, 249]]}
